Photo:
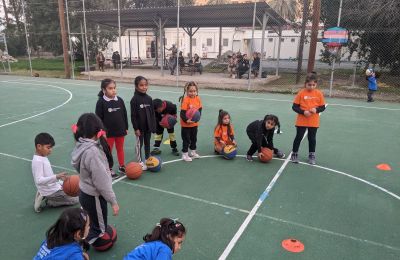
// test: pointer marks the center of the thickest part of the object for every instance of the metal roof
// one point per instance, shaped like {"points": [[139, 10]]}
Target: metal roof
{"points": [[226, 15]]}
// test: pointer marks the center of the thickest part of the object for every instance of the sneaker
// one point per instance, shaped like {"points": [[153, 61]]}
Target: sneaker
{"points": [[156, 151], [311, 159], [193, 154], [280, 154], [144, 166], [175, 152], [249, 158], [122, 169], [37, 206], [294, 158], [114, 175], [186, 157]]}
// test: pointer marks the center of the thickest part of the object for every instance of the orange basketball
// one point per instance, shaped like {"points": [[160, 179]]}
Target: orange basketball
{"points": [[133, 170], [267, 154], [71, 185]]}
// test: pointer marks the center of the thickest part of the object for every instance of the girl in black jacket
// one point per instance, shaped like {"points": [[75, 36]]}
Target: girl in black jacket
{"points": [[142, 118], [261, 134]]}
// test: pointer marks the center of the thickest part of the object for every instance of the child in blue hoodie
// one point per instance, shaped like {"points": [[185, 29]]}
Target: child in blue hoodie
{"points": [[372, 84], [165, 240], [65, 239], [89, 158]]}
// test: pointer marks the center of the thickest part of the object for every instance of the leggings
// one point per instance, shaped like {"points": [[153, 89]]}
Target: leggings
{"points": [[312, 140], [189, 138], [119, 144]]}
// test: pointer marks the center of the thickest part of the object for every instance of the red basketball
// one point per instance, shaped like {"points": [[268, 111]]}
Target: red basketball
{"points": [[107, 240], [267, 154], [71, 185], [168, 121], [133, 170], [193, 114]]}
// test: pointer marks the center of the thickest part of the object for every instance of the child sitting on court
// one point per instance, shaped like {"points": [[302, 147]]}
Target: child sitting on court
{"points": [[49, 189], [142, 118], [89, 159], [162, 108], [223, 132], [165, 240], [261, 134], [189, 100], [65, 239], [111, 110]]}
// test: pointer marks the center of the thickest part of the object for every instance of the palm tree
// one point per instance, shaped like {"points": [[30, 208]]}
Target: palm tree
{"points": [[285, 8], [218, 2]]}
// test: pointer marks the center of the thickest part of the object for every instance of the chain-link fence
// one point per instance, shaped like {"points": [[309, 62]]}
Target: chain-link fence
{"points": [[262, 46]]}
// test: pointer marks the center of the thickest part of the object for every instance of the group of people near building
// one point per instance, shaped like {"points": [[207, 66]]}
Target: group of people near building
{"points": [[239, 64]]}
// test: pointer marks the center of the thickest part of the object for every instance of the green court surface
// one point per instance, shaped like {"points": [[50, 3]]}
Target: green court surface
{"points": [[342, 208]]}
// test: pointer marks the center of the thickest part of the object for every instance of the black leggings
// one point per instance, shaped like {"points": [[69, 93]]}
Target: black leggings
{"points": [[189, 138], [143, 138], [312, 140]]}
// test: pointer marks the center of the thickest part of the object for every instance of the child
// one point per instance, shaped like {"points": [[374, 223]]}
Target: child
{"points": [[308, 103], [48, 187], [223, 132], [142, 117], [90, 160], [110, 108], [65, 239], [261, 134], [188, 127], [372, 84], [161, 108], [165, 240]]}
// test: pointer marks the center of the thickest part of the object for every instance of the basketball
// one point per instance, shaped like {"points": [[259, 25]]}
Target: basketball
{"points": [[267, 154], [168, 121], [229, 152], [107, 240], [369, 72], [154, 163], [71, 185], [133, 170], [193, 114]]}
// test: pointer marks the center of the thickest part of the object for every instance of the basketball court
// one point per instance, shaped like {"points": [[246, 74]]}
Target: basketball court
{"points": [[342, 208]]}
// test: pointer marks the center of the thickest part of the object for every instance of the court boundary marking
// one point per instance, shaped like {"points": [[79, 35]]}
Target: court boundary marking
{"points": [[247, 211], [44, 112], [211, 95]]}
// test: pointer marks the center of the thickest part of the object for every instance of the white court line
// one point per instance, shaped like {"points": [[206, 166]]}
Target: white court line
{"points": [[246, 211], [45, 112], [325, 231], [213, 95]]}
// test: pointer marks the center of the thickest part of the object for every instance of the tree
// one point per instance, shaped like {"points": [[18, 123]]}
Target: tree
{"points": [[285, 8], [373, 27], [218, 2]]}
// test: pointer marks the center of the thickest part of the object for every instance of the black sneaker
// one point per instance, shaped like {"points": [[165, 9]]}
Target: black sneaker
{"points": [[249, 158], [156, 151], [175, 152], [122, 169], [311, 159], [114, 175], [280, 154], [294, 158]]}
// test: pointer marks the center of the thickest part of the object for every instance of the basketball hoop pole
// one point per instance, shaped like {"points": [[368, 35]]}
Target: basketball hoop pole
{"points": [[334, 58]]}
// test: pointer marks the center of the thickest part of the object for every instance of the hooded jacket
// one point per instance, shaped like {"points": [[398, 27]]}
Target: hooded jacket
{"points": [[91, 163], [256, 132]]}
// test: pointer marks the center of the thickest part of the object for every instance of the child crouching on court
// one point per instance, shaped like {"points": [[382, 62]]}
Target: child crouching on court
{"points": [[223, 132], [89, 159], [161, 109], [49, 190], [165, 240], [261, 134]]}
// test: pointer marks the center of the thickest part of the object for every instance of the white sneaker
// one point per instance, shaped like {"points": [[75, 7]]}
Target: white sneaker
{"points": [[144, 166], [38, 202], [193, 154], [186, 158]]}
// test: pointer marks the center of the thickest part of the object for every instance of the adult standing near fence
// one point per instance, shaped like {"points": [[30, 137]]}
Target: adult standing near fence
{"points": [[100, 60], [116, 58]]}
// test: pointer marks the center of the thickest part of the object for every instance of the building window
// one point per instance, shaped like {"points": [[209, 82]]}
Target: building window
{"points": [[282, 39], [270, 39], [165, 42], [293, 40], [209, 42], [194, 42], [225, 42]]}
